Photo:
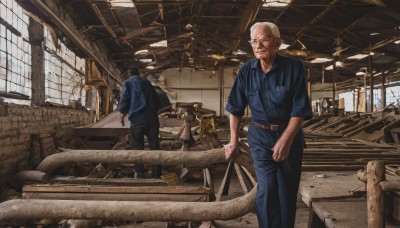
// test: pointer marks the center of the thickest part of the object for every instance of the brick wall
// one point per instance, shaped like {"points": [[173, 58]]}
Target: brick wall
{"points": [[27, 135]]}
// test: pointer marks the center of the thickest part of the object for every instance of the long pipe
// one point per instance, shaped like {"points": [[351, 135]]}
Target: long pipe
{"points": [[19, 210], [162, 157]]}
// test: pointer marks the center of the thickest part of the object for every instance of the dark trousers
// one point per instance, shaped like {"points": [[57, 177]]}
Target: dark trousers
{"points": [[278, 182], [151, 130]]}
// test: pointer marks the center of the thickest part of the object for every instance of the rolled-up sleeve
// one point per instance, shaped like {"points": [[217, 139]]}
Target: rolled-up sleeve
{"points": [[301, 101], [236, 101], [123, 105]]}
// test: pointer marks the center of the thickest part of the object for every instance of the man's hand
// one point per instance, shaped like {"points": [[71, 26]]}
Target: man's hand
{"points": [[230, 150], [281, 150]]}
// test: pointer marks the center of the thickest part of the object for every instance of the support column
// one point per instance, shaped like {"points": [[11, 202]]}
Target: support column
{"points": [[221, 91], [309, 82], [36, 37], [334, 108], [383, 90], [371, 84]]}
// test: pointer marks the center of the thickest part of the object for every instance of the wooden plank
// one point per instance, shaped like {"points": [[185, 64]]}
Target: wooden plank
{"points": [[336, 168], [351, 214], [108, 181], [336, 184], [224, 187], [182, 197], [241, 179], [113, 189]]}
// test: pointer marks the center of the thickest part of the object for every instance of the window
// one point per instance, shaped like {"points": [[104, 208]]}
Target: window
{"points": [[15, 52], [64, 73]]}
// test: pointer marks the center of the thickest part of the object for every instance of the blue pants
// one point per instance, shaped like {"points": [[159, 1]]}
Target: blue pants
{"points": [[278, 182], [136, 141]]}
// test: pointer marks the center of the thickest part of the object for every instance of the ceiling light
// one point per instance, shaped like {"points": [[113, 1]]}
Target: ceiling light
{"points": [[359, 73], [150, 67], [239, 52], [143, 51], [161, 43], [215, 56], [283, 46], [320, 60], [146, 60], [358, 56], [276, 3], [235, 60], [338, 64], [397, 42], [122, 3], [374, 34]]}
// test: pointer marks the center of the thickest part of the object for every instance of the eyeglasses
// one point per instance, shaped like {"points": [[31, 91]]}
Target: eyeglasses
{"points": [[264, 41]]}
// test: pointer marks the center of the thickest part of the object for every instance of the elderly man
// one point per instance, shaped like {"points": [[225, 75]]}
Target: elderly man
{"points": [[274, 87]]}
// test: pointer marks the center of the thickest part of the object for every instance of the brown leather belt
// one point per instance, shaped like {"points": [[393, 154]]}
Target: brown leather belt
{"points": [[272, 127]]}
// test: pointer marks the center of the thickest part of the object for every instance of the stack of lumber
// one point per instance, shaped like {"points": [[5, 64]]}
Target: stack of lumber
{"points": [[345, 154]]}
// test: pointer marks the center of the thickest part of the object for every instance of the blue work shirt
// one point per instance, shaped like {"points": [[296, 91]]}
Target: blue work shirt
{"points": [[139, 100], [273, 97]]}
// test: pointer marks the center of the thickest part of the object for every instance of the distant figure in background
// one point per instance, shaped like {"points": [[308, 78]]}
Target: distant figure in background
{"points": [[140, 102], [274, 87]]}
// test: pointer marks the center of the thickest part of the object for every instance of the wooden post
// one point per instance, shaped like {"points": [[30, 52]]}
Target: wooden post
{"points": [[371, 84], [383, 91], [98, 97], [375, 194], [36, 38], [334, 108], [309, 82]]}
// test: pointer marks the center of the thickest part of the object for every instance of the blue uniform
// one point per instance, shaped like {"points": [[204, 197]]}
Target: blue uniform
{"points": [[141, 103], [273, 98], [140, 100]]}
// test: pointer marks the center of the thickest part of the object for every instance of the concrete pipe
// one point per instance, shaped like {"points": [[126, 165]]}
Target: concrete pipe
{"points": [[20, 210], [161, 157], [14, 211]]}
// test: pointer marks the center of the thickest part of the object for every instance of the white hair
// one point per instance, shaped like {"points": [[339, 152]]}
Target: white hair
{"points": [[274, 29]]}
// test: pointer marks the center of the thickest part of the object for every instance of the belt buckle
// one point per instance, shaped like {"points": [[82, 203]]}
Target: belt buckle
{"points": [[274, 127]]}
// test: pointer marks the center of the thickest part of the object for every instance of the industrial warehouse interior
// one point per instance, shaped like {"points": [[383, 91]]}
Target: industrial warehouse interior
{"points": [[65, 158]]}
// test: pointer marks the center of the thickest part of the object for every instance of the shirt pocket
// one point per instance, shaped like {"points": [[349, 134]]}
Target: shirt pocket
{"points": [[254, 100], [282, 95]]}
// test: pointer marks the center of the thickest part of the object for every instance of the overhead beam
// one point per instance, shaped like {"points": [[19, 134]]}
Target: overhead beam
{"points": [[54, 11], [304, 29], [140, 32], [249, 14]]}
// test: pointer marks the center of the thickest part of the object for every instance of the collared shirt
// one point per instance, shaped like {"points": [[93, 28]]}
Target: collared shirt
{"points": [[139, 100], [273, 97]]}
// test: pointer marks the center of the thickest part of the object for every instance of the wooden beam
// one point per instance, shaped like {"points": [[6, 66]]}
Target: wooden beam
{"points": [[64, 22], [108, 181], [248, 16], [123, 193], [36, 37], [140, 32]]}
